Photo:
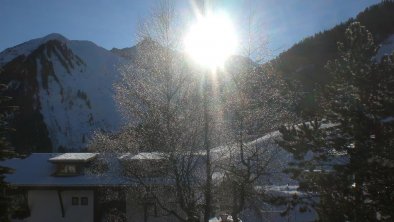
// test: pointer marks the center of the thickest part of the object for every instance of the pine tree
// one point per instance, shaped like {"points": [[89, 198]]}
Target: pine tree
{"points": [[359, 101], [5, 152]]}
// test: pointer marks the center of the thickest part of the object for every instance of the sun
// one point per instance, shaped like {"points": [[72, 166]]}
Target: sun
{"points": [[211, 40]]}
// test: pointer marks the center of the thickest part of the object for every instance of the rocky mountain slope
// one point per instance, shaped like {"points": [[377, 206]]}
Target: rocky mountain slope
{"points": [[64, 92]]}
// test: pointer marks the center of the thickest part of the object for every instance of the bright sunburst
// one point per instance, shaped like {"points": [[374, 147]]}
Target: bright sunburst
{"points": [[211, 40]]}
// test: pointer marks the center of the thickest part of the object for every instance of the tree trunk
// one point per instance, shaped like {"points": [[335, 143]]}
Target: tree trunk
{"points": [[208, 185]]}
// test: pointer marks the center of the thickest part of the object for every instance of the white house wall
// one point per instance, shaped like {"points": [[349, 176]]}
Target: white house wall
{"points": [[45, 206]]}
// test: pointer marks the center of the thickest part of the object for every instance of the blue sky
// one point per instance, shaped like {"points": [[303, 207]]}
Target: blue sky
{"points": [[112, 23]]}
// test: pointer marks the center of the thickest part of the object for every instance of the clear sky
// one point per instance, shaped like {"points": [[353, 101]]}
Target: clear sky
{"points": [[112, 23]]}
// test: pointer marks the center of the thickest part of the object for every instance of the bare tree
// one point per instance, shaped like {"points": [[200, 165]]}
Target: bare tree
{"points": [[255, 104], [160, 95]]}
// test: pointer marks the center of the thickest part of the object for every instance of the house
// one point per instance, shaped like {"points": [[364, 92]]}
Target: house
{"points": [[119, 187], [86, 187]]}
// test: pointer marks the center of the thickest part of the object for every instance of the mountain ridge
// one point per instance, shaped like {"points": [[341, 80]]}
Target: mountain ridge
{"points": [[64, 91]]}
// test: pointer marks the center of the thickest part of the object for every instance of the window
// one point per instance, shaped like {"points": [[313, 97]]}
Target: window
{"points": [[84, 201], [75, 201], [66, 169], [70, 169]]}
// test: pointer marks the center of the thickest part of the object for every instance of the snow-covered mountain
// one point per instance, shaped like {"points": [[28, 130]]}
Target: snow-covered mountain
{"points": [[64, 91]]}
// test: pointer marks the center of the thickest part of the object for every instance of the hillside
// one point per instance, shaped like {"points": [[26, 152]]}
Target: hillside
{"points": [[64, 92], [304, 62]]}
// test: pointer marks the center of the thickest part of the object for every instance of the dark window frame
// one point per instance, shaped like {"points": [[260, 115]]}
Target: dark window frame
{"points": [[84, 201], [75, 201]]}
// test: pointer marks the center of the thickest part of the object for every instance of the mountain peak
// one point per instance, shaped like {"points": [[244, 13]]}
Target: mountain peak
{"points": [[27, 47], [130, 52], [148, 42], [54, 36]]}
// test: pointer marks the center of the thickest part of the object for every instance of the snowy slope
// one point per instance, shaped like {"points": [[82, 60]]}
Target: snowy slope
{"points": [[386, 48], [269, 150], [276, 183], [87, 101], [74, 92]]}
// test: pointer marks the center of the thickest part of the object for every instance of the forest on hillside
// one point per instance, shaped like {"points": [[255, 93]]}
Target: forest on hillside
{"points": [[304, 62]]}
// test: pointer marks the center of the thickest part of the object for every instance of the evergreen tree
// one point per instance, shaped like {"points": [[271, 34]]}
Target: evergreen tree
{"points": [[358, 103], [5, 152], [304, 62]]}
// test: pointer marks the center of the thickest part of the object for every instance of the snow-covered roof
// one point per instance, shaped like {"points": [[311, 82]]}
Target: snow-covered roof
{"points": [[281, 190], [143, 156], [36, 171], [73, 157]]}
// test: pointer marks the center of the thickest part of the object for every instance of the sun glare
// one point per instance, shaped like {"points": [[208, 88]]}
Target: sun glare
{"points": [[211, 40]]}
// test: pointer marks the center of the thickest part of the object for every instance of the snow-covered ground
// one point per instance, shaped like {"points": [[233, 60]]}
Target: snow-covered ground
{"points": [[276, 183]]}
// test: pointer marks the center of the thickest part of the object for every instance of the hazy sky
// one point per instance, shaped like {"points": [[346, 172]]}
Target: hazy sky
{"points": [[112, 23]]}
